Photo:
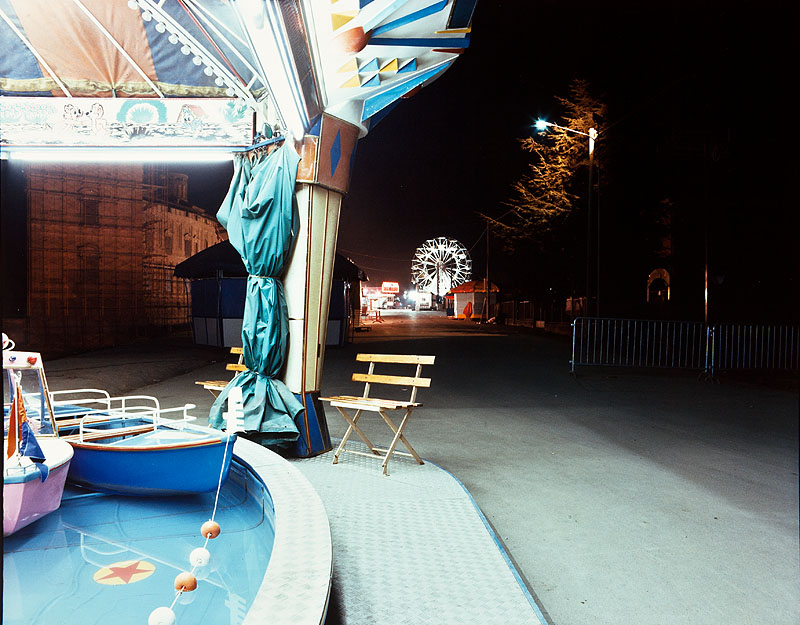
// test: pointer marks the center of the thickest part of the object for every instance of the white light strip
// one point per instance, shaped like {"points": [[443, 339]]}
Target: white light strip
{"points": [[307, 12], [268, 46], [38, 56], [52, 154], [256, 13], [121, 50]]}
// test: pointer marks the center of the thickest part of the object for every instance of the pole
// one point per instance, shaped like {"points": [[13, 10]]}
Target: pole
{"points": [[592, 134], [597, 240], [592, 137], [486, 296], [705, 233], [589, 233]]}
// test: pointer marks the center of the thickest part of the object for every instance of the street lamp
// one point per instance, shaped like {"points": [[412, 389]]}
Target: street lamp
{"points": [[542, 125]]}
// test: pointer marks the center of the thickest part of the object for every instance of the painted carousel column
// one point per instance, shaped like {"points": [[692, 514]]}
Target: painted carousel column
{"points": [[323, 177]]}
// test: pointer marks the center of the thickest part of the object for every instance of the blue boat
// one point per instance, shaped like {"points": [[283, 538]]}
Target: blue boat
{"points": [[131, 446]]}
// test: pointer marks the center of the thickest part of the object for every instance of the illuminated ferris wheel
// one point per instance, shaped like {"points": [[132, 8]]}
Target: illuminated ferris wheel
{"points": [[439, 265]]}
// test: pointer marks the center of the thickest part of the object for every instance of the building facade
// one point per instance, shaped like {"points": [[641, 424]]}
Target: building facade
{"points": [[102, 242]]}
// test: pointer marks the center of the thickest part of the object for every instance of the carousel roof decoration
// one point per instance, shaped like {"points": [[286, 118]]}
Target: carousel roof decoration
{"points": [[291, 60]]}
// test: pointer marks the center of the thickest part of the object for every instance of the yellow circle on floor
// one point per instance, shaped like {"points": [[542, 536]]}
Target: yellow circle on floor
{"points": [[125, 572]]}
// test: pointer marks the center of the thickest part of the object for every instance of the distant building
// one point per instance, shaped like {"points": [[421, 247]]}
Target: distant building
{"points": [[99, 245]]}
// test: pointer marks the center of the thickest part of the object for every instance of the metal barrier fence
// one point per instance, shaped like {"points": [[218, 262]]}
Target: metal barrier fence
{"points": [[518, 313], [683, 345], [735, 346], [638, 343]]}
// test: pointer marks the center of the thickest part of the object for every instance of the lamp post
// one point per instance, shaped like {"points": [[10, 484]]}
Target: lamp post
{"points": [[542, 125]]}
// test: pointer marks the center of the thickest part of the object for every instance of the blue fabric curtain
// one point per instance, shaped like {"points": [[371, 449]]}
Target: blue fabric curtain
{"points": [[260, 215]]}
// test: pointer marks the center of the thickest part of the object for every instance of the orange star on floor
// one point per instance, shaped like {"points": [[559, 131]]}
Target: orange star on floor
{"points": [[127, 572]]}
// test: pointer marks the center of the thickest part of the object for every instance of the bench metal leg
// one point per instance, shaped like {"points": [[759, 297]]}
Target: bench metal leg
{"points": [[353, 426]]}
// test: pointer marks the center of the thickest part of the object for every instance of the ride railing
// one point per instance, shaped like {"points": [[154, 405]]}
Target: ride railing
{"points": [[690, 345], [95, 406]]}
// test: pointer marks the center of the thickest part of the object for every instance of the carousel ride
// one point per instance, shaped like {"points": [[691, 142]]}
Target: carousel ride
{"points": [[285, 90]]}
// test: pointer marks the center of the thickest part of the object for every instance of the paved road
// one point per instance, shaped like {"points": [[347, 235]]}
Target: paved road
{"points": [[625, 498]]}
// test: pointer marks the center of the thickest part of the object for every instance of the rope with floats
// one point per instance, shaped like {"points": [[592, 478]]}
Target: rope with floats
{"points": [[186, 581]]}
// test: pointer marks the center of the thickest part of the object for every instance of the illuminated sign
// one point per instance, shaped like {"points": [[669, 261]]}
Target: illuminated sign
{"points": [[390, 287]]}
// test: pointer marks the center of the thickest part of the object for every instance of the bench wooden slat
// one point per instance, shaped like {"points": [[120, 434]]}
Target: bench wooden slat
{"points": [[399, 380], [352, 407], [215, 384], [406, 359], [368, 403]]}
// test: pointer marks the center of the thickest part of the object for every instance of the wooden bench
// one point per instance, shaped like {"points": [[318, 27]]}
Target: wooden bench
{"points": [[346, 404], [217, 386]]}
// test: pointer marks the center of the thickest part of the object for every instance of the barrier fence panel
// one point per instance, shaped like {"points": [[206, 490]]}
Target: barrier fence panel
{"points": [[525, 315], [517, 313], [741, 346], [509, 313], [684, 345], [638, 343]]}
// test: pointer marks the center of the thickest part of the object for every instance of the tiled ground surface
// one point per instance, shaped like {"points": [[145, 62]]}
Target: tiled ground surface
{"points": [[412, 547]]}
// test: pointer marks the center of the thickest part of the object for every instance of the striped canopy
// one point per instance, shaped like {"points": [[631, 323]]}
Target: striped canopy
{"points": [[352, 59]]}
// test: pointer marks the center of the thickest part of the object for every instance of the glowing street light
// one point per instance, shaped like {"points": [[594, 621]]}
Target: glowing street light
{"points": [[542, 125]]}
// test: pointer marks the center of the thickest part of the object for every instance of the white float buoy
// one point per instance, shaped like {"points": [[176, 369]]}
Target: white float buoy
{"points": [[161, 616], [199, 557]]}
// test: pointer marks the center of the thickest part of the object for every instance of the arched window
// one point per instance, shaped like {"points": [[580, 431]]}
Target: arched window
{"points": [[658, 286]]}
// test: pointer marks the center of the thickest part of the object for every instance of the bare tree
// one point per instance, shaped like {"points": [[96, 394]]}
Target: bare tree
{"points": [[546, 200]]}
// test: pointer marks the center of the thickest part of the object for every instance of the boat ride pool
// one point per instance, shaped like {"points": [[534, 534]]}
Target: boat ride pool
{"points": [[107, 558]]}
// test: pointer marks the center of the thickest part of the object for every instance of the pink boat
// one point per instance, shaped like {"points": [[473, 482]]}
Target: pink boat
{"points": [[36, 462]]}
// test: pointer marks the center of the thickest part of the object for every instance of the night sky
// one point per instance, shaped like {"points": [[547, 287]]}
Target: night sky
{"points": [[698, 112]]}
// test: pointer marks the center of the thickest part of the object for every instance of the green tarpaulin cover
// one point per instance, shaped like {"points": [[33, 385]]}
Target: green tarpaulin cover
{"points": [[260, 215]]}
